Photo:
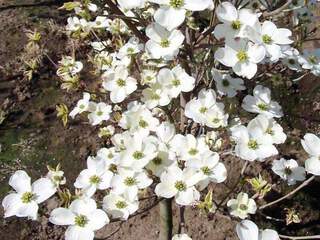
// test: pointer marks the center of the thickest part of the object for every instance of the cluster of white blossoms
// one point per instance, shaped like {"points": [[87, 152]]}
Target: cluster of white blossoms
{"points": [[145, 84]]}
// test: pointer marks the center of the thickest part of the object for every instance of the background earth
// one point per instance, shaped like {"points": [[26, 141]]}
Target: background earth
{"points": [[31, 137]]}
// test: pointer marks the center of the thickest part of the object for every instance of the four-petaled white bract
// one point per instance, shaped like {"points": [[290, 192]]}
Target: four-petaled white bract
{"points": [[311, 144], [24, 201], [82, 217]]}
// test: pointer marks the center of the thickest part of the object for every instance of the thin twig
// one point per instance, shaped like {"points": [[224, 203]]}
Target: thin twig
{"points": [[278, 10], [305, 183]]}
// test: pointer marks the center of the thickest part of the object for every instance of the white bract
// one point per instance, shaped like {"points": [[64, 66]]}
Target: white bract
{"points": [[242, 56], [99, 112], [289, 170], [24, 201], [252, 143], [271, 37], [82, 105], [175, 81], [119, 206], [242, 206], [270, 128], [171, 13], [119, 83], [163, 43], [311, 144], [248, 230], [233, 21], [209, 167], [129, 182], [82, 217], [96, 176], [179, 184], [261, 102], [227, 85]]}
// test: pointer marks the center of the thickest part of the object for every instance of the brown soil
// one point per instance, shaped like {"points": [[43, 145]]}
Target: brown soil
{"points": [[32, 137]]}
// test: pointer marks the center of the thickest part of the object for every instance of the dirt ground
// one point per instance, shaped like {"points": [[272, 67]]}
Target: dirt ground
{"points": [[31, 137]]}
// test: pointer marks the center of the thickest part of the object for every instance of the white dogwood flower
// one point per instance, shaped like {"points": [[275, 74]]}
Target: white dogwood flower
{"points": [[289, 170], [155, 96], [175, 81], [270, 127], [233, 21], [138, 119], [253, 144], [209, 167], [271, 37], [189, 148], [311, 144], [242, 206], [197, 108], [179, 184], [261, 102], [227, 85], [138, 153], [242, 56], [171, 13], [119, 83], [132, 47], [99, 112], [120, 206], [163, 43], [82, 105], [248, 230], [82, 217], [24, 201], [96, 176], [130, 182]]}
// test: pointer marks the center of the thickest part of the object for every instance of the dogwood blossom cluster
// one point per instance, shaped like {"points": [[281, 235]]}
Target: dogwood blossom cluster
{"points": [[168, 117]]}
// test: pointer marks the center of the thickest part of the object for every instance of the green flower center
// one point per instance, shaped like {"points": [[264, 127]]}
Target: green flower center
{"points": [[266, 39], [138, 155], [288, 171], [82, 106], [81, 220], [216, 120], [121, 82], [291, 61], [236, 25], [270, 131], [99, 113], [203, 110], [95, 179], [130, 181], [225, 83], [313, 59], [242, 56], [263, 106], [193, 151], [206, 170], [121, 204], [243, 207], [143, 123], [155, 96], [130, 50], [176, 82], [164, 43], [27, 197], [180, 186], [176, 3], [157, 161], [253, 144]]}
